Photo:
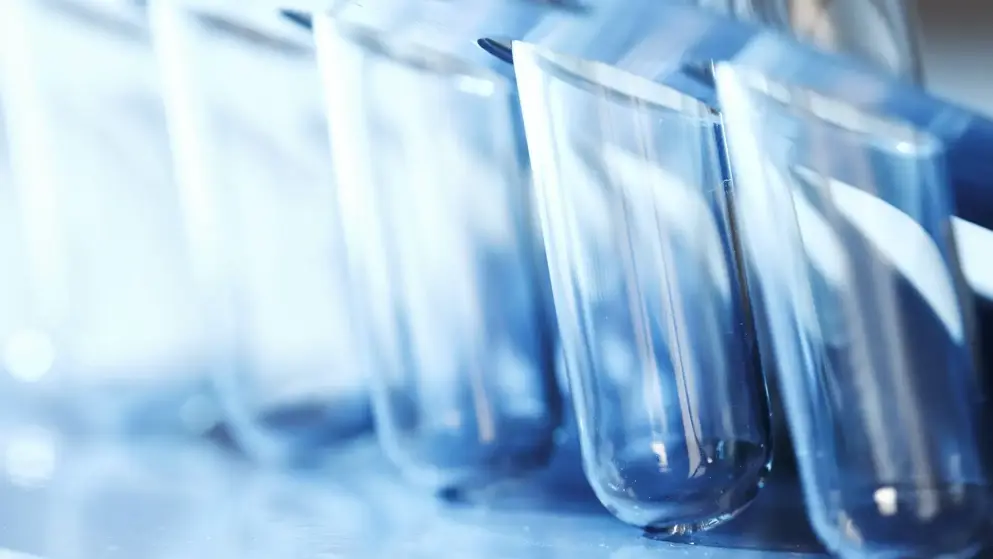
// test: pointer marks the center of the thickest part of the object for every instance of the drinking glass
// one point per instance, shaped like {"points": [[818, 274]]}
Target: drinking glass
{"points": [[106, 335], [433, 196], [655, 327], [250, 140], [846, 220]]}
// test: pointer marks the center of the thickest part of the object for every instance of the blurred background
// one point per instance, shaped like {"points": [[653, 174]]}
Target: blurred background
{"points": [[957, 40]]}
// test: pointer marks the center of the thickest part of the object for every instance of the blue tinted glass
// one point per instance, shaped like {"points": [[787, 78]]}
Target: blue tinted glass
{"points": [[846, 221], [434, 200], [108, 334], [250, 142], [657, 339]]}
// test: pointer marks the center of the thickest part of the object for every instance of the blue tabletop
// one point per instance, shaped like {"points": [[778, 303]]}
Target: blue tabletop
{"points": [[66, 499]]}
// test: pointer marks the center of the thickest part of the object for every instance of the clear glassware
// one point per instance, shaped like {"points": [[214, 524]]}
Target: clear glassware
{"points": [[250, 139], [846, 221], [109, 337], [434, 200], [651, 310], [881, 33]]}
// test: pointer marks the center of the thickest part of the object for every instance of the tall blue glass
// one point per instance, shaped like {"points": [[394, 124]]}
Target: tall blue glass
{"points": [[433, 197], [655, 329], [250, 142], [846, 221]]}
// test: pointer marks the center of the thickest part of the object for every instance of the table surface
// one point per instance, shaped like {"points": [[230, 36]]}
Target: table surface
{"points": [[64, 499]]}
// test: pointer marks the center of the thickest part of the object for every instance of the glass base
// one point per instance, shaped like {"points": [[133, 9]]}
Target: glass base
{"points": [[126, 411], [696, 487], [904, 521], [458, 467], [666, 532], [298, 435]]}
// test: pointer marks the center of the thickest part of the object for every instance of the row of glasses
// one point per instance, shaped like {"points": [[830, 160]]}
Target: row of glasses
{"points": [[828, 225], [417, 248], [170, 247], [103, 331]]}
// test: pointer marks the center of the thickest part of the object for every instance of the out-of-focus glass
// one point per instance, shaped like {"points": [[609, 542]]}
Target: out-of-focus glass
{"points": [[846, 224], [434, 199], [106, 333], [250, 139], [880, 32], [633, 200]]}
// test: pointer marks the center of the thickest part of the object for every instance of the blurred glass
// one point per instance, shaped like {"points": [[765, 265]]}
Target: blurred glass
{"points": [[846, 224], [651, 310], [881, 32], [250, 137], [105, 331], [434, 199]]}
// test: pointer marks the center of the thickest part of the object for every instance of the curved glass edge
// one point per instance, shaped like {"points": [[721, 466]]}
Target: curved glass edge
{"points": [[266, 31], [659, 40], [884, 131], [604, 78], [119, 18], [446, 25], [412, 53], [770, 213], [968, 137]]}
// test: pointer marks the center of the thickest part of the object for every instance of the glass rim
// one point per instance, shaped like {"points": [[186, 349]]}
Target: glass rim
{"points": [[618, 84], [402, 49], [895, 133]]}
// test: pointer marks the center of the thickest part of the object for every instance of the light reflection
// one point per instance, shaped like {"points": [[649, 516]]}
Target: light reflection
{"points": [[886, 500], [903, 242], [29, 355]]}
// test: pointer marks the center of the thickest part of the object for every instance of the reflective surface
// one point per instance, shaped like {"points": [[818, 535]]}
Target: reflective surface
{"points": [[433, 197], [60, 499], [658, 344], [108, 335], [846, 220], [250, 141]]}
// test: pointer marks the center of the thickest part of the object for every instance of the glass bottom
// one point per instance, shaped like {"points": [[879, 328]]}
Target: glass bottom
{"points": [[907, 522], [457, 463], [677, 530], [689, 491], [124, 410], [298, 434]]}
